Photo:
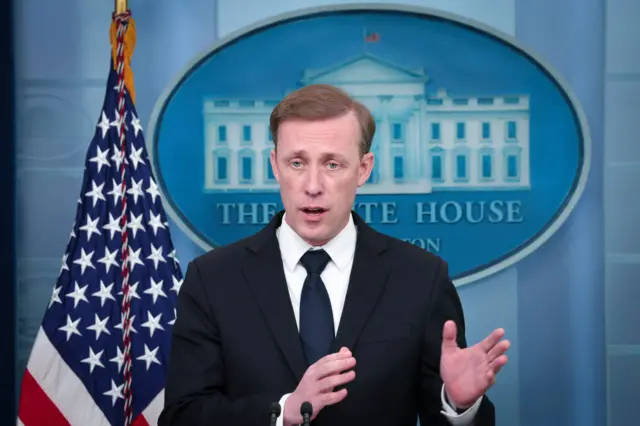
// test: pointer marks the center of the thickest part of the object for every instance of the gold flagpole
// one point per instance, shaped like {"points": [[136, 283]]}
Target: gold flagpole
{"points": [[121, 6]]}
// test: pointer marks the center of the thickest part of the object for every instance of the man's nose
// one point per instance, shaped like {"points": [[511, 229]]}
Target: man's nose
{"points": [[313, 182]]}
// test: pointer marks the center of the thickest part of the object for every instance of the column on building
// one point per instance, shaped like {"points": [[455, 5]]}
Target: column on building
{"points": [[386, 159], [420, 148]]}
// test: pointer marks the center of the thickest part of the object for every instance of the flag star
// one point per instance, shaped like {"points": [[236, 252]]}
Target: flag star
{"points": [[104, 124], [93, 359], [136, 190], [131, 327], [136, 158], [117, 156], [85, 260], [116, 191], [101, 158], [118, 359], [155, 222], [135, 122], [113, 226], [104, 293], [172, 255], [78, 294], [135, 224], [153, 190], [149, 356], [133, 291], [114, 393], [153, 323], [55, 296], [71, 327], [175, 317], [117, 88], [72, 235], [91, 227], [109, 259], [176, 285], [99, 326], [64, 266], [156, 256], [155, 290], [96, 193], [134, 258], [119, 121]]}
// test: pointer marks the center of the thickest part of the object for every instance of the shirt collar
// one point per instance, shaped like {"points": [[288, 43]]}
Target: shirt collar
{"points": [[341, 248]]}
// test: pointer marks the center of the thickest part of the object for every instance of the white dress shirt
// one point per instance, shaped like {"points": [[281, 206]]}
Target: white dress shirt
{"points": [[335, 276]]}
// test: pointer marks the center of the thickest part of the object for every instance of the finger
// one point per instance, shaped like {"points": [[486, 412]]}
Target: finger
{"points": [[344, 353], [449, 332], [331, 398], [341, 354], [498, 350], [490, 341], [497, 364], [332, 367], [491, 379], [331, 382]]}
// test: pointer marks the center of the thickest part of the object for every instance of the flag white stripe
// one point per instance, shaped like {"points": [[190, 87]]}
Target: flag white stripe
{"points": [[62, 386], [152, 412]]}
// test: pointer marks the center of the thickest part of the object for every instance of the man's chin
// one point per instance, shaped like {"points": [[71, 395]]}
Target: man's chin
{"points": [[314, 234]]}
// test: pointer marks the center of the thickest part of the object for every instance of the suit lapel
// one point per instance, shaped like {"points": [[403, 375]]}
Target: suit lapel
{"points": [[368, 278], [265, 275]]}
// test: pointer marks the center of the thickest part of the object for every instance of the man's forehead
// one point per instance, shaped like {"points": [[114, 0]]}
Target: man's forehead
{"points": [[344, 127]]}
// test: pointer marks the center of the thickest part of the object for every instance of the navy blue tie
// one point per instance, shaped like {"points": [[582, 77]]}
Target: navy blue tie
{"points": [[316, 317]]}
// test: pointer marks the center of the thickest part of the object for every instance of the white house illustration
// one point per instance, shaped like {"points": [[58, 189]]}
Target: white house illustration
{"points": [[423, 142]]}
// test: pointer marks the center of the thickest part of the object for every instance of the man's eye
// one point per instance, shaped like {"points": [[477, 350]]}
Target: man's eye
{"points": [[333, 165], [296, 164]]}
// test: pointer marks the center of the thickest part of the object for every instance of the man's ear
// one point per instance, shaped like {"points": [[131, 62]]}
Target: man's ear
{"points": [[366, 166], [274, 164]]}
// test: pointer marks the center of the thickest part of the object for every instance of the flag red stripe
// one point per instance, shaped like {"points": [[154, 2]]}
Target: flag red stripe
{"points": [[138, 421], [36, 408]]}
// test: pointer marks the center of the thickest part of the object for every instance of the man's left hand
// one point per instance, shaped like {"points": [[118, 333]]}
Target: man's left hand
{"points": [[468, 373]]}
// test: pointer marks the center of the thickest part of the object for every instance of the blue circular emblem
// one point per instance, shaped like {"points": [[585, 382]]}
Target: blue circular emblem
{"points": [[481, 149]]}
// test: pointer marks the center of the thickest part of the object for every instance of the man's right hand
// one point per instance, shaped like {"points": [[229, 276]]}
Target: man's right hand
{"points": [[318, 383]]}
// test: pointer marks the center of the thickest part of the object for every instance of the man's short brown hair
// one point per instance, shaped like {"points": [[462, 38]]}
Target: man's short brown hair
{"points": [[319, 102]]}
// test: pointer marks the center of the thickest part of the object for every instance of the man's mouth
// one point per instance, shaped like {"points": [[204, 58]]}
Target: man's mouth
{"points": [[314, 211]]}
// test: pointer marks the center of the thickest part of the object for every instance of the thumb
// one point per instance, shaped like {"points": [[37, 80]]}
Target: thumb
{"points": [[449, 332]]}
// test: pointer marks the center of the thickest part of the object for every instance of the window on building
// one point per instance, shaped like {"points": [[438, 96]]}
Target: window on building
{"points": [[512, 166], [435, 131], [486, 130], [461, 166], [511, 130], [486, 166], [396, 129], [246, 168], [460, 131], [398, 167], [246, 133], [221, 169], [436, 168], [222, 133]]}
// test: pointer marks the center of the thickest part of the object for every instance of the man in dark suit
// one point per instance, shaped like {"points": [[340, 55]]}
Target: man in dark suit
{"points": [[320, 307]]}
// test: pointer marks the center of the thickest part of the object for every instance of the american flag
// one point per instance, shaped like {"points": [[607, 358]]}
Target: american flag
{"points": [[77, 370]]}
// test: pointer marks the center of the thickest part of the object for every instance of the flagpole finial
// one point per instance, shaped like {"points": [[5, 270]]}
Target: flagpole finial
{"points": [[121, 6]]}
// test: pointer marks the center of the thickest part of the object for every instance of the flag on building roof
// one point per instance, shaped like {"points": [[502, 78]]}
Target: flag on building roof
{"points": [[371, 36], [100, 355]]}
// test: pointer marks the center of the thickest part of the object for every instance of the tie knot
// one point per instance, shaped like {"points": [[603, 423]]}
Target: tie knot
{"points": [[314, 261]]}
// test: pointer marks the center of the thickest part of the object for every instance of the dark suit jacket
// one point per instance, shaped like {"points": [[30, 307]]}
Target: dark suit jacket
{"points": [[236, 349]]}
